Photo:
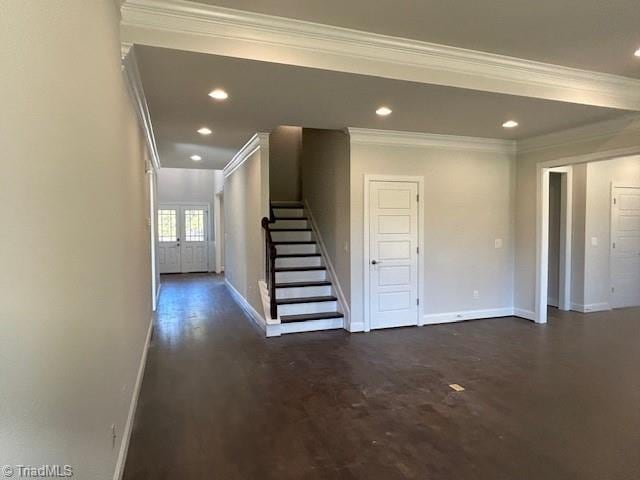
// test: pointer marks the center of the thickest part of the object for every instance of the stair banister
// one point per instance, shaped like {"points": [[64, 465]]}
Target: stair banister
{"points": [[270, 265]]}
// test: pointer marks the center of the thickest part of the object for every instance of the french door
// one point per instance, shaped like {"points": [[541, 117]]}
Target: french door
{"points": [[182, 238]]}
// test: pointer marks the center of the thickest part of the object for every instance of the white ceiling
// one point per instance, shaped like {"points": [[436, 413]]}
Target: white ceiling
{"points": [[599, 35], [265, 95]]}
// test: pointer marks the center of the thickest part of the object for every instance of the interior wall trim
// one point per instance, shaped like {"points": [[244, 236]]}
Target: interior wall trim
{"points": [[136, 92], [414, 139], [259, 140], [204, 28]]}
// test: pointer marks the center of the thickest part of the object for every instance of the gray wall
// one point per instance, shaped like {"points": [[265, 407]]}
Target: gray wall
{"points": [[325, 187], [468, 205], [246, 194], [75, 286], [285, 179]]}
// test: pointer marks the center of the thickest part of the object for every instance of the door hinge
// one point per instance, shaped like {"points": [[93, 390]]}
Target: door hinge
{"points": [[613, 289], [417, 301], [615, 201], [418, 198], [418, 250], [614, 244]]}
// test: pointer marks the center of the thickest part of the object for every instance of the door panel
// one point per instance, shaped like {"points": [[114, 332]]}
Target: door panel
{"points": [[169, 239], [625, 247], [194, 244], [393, 262]]}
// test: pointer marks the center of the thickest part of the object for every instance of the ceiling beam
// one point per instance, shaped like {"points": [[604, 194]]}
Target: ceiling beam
{"points": [[196, 27]]}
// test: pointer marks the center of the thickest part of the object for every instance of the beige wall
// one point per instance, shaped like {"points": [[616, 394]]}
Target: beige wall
{"points": [[285, 179], [468, 205], [75, 283], [246, 194], [565, 152], [325, 188]]}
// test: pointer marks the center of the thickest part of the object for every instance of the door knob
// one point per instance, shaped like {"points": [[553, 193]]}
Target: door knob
{"points": [[374, 262]]}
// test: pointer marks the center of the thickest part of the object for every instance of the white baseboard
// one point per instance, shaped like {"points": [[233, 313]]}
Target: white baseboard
{"points": [[355, 327], [332, 273], [126, 434], [449, 317], [246, 306], [526, 314], [592, 307]]}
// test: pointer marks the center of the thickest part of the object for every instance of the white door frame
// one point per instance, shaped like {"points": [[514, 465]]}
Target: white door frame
{"points": [[542, 218], [219, 230], [566, 236], [181, 206], [367, 256]]}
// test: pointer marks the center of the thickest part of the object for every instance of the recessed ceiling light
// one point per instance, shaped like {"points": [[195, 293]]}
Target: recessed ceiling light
{"points": [[219, 94], [510, 124], [204, 131], [637, 54], [196, 158], [383, 111]]}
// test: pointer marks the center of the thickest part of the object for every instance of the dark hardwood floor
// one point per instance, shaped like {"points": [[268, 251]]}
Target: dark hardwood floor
{"points": [[219, 401]]}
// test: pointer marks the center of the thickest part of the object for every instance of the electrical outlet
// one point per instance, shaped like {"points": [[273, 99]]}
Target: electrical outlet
{"points": [[476, 294]]}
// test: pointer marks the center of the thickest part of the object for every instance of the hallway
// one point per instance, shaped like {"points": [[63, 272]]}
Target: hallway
{"points": [[219, 401]]}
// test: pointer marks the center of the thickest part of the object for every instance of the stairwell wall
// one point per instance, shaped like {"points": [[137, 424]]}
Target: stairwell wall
{"points": [[325, 169]]}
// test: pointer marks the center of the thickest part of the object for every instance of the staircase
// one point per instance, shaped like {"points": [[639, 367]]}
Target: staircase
{"points": [[304, 296]]}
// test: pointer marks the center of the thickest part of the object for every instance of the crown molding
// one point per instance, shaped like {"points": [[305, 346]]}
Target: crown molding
{"points": [[413, 139], [136, 92], [125, 48], [187, 25], [586, 133], [259, 140]]}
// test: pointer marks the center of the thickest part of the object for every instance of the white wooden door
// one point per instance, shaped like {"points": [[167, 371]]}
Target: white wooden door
{"points": [[193, 246], [625, 247], [393, 255], [169, 239]]}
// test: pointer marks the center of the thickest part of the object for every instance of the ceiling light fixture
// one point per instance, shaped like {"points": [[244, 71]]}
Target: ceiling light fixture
{"points": [[637, 54], [383, 111], [218, 94], [510, 124], [204, 131], [195, 158]]}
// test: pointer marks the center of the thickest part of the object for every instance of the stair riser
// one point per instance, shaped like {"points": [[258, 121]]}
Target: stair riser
{"points": [[299, 262], [303, 292], [288, 212], [286, 249], [290, 236], [312, 326], [290, 224], [303, 308], [309, 276]]}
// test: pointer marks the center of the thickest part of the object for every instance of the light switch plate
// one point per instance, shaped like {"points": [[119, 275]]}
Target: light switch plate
{"points": [[594, 241], [499, 243]]}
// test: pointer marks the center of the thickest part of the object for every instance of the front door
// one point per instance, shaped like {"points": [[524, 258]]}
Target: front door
{"points": [[182, 239], [625, 247], [393, 254]]}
